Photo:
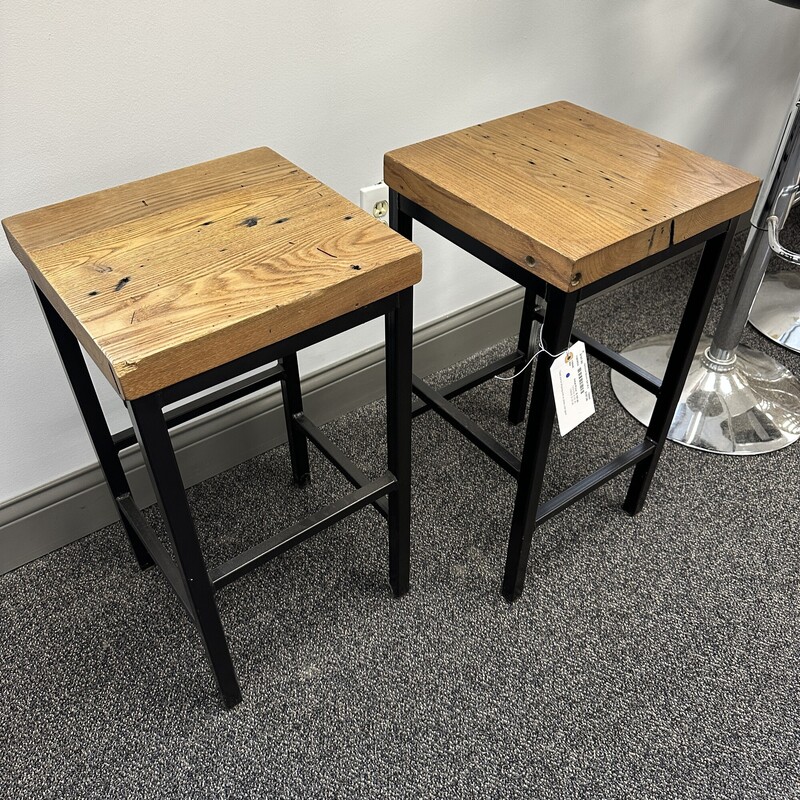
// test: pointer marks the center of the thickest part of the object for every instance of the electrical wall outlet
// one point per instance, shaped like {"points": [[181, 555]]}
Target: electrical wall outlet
{"points": [[375, 200]]}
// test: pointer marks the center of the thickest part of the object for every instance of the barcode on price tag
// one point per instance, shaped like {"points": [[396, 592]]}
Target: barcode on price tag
{"points": [[569, 374]]}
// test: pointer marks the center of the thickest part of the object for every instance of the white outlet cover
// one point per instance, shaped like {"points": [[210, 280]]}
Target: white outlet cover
{"points": [[372, 195]]}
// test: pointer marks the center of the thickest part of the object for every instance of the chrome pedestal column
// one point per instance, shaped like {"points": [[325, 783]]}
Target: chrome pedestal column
{"points": [[736, 400]]}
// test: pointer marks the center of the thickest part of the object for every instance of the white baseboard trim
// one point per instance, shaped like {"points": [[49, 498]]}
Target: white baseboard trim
{"points": [[76, 504]]}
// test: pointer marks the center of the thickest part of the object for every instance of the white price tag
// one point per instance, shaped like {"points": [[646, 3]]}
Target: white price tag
{"points": [[569, 375]]}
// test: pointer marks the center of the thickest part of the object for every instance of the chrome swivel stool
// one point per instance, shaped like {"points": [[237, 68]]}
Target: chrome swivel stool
{"points": [[776, 308], [567, 203], [737, 400], [181, 282]]}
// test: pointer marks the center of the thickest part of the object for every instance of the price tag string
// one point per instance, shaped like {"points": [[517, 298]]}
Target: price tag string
{"points": [[533, 358]]}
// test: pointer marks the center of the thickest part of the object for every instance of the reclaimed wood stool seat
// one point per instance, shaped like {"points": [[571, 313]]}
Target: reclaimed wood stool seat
{"points": [[177, 283], [567, 203]]}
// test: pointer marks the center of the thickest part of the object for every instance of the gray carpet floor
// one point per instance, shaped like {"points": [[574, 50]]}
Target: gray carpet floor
{"points": [[650, 657]]}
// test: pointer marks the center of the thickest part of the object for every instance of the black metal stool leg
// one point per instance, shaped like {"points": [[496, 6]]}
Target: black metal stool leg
{"points": [[293, 404], [153, 435], [521, 384], [689, 332], [398, 220], [86, 397], [399, 322], [556, 331]]}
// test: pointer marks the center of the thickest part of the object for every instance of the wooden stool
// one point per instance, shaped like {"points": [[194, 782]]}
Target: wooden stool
{"points": [[567, 202], [176, 283]]}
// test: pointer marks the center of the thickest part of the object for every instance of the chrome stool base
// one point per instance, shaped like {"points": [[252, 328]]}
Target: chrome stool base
{"points": [[776, 310], [746, 406]]}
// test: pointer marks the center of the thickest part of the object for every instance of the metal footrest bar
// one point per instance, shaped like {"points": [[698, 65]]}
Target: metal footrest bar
{"points": [[304, 529], [511, 361], [221, 397], [351, 471], [157, 551], [611, 358], [591, 482], [641, 377], [458, 419]]}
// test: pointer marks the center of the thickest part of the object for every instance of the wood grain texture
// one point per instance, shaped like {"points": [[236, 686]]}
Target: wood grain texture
{"points": [[165, 278], [567, 193]]}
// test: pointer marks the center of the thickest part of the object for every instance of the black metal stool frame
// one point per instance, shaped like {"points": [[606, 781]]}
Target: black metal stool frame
{"points": [[557, 335], [187, 574]]}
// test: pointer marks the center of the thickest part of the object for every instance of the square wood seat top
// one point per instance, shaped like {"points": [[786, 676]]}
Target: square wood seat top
{"points": [[167, 277], [566, 193]]}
